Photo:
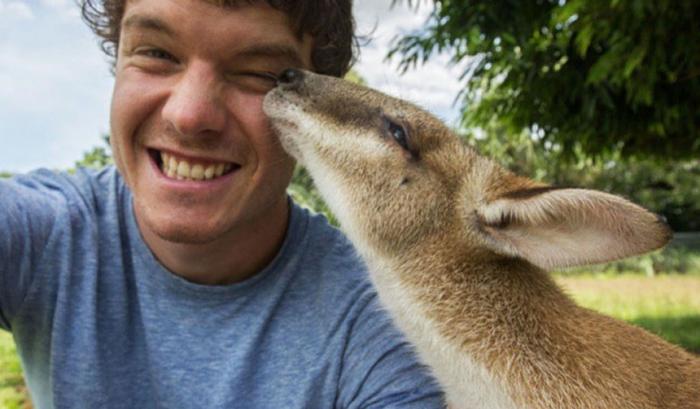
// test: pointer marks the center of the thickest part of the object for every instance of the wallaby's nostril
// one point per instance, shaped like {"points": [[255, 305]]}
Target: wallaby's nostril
{"points": [[291, 77]]}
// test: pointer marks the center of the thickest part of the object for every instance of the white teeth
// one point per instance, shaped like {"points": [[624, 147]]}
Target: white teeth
{"points": [[172, 166], [209, 172], [183, 170], [197, 172]]}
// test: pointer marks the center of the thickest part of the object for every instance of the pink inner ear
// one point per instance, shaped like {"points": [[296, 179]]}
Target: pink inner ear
{"points": [[569, 227]]}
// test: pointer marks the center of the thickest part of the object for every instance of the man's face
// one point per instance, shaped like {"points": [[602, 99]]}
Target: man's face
{"points": [[188, 132]]}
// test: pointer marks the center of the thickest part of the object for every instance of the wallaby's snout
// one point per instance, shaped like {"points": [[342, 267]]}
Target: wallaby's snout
{"points": [[291, 78]]}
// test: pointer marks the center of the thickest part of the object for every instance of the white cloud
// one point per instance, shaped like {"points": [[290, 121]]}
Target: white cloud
{"points": [[433, 86], [55, 3], [64, 8], [14, 10], [54, 90]]}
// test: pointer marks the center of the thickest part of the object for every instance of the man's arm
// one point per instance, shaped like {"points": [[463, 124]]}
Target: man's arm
{"points": [[28, 210]]}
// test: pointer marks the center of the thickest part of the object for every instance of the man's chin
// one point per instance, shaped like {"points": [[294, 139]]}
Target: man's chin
{"points": [[185, 234], [177, 232]]}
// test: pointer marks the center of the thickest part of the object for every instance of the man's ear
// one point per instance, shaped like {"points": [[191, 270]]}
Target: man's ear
{"points": [[554, 228]]}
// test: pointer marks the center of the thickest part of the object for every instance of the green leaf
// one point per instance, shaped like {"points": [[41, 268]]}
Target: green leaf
{"points": [[602, 69], [634, 60], [583, 39]]}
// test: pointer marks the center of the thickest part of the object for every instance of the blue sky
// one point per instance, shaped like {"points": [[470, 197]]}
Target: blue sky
{"points": [[55, 84]]}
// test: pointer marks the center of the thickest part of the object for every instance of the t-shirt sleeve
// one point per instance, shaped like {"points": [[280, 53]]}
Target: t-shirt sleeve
{"points": [[28, 213], [380, 368]]}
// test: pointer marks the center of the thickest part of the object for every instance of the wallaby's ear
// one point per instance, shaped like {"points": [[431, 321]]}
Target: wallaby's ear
{"points": [[555, 228]]}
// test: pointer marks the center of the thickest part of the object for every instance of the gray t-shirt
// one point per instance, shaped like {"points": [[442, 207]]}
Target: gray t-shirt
{"points": [[99, 323]]}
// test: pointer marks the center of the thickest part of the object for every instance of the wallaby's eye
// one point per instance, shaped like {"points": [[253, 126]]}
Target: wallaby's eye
{"points": [[400, 135]]}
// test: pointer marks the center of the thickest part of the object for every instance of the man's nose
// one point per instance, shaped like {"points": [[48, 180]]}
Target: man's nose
{"points": [[195, 105]]}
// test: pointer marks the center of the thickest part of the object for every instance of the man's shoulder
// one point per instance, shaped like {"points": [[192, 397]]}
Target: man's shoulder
{"points": [[329, 263], [68, 196], [83, 181], [329, 244]]}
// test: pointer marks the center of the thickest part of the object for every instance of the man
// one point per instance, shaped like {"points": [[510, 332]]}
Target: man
{"points": [[186, 279]]}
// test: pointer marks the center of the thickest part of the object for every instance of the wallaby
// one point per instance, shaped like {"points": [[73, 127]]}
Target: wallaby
{"points": [[457, 247]]}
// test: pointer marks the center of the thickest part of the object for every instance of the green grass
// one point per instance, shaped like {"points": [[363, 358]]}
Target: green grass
{"points": [[666, 305], [13, 394], [674, 259]]}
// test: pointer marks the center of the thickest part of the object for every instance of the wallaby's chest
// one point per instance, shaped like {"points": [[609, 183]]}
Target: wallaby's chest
{"points": [[466, 382]]}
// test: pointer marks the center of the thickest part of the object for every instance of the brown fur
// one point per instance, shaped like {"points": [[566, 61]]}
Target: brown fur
{"points": [[460, 238]]}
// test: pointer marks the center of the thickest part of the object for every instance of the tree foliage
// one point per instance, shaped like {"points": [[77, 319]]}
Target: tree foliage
{"points": [[595, 75], [97, 157]]}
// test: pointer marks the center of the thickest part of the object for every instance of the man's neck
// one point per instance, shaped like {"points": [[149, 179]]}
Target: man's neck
{"points": [[239, 254]]}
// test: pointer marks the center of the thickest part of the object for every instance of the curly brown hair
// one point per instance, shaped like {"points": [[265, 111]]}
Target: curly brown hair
{"points": [[329, 22]]}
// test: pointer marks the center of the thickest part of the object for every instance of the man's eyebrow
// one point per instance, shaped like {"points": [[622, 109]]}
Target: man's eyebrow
{"points": [[286, 53], [146, 22]]}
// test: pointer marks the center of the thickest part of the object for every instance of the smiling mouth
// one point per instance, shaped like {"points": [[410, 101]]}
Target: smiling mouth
{"points": [[179, 168]]}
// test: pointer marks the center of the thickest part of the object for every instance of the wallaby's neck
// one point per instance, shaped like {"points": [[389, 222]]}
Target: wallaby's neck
{"points": [[466, 285], [488, 307]]}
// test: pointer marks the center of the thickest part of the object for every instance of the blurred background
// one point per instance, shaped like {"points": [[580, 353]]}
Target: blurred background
{"points": [[589, 93]]}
